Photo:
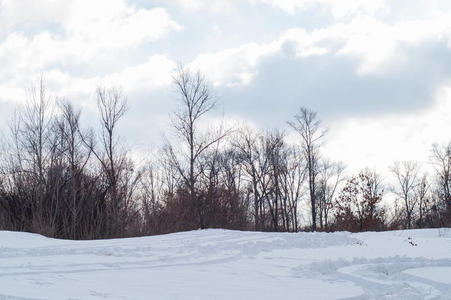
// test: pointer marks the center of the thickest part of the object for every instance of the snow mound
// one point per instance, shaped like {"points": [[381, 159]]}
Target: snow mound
{"points": [[224, 264]]}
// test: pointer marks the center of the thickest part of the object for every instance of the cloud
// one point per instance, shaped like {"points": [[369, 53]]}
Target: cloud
{"points": [[379, 141], [27, 16], [91, 31], [115, 25], [377, 44], [338, 9], [78, 45], [238, 66], [377, 47], [233, 66], [209, 5], [155, 73], [330, 85], [354, 61]]}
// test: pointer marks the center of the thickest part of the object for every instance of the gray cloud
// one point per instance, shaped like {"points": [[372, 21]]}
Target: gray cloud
{"points": [[331, 85]]}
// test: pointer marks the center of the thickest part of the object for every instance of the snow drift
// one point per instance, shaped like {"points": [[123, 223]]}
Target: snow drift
{"points": [[222, 264]]}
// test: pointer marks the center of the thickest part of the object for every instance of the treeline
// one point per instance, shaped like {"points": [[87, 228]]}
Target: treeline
{"points": [[63, 180]]}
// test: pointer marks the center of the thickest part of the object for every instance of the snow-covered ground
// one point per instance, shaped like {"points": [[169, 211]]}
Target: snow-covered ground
{"points": [[222, 264]]}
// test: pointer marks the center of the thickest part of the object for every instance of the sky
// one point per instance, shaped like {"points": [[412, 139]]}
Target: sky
{"points": [[377, 72]]}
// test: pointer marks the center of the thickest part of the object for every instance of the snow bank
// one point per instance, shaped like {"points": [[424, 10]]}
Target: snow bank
{"points": [[222, 264]]}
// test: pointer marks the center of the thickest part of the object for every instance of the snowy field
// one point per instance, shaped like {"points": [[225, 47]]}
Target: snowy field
{"points": [[221, 264]]}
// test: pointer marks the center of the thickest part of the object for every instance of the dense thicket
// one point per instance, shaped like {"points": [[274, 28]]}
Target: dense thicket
{"points": [[63, 180]]}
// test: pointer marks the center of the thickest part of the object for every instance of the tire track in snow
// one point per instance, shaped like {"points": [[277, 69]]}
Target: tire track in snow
{"points": [[387, 280]]}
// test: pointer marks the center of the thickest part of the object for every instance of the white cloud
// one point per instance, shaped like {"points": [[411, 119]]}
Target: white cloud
{"points": [[114, 24], [155, 73], [374, 44], [233, 66], [238, 66], [338, 9], [91, 31], [31, 13], [210, 5], [100, 21], [380, 141], [84, 34], [80, 44]]}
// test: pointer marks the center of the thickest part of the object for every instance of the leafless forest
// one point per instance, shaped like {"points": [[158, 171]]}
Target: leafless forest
{"points": [[61, 179]]}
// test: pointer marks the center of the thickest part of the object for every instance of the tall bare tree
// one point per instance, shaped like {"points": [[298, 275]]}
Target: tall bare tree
{"points": [[35, 125], [76, 155], [308, 127], [112, 105], [441, 159], [195, 98], [330, 176], [292, 180], [33, 150], [406, 174], [422, 193], [252, 149]]}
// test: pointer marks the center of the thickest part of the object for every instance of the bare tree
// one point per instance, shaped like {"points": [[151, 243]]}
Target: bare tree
{"points": [[292, 180], [252, 149], [33, 150], [275, 153], [234, 189], [157, 188], [35, 125], [330, 176], [256, 154], [49, 189], [422, 193], [308, 127], [112, 106], [76, 155], [196, 100], [406, 174], [441, 159], [358, 206], [274, 174]]}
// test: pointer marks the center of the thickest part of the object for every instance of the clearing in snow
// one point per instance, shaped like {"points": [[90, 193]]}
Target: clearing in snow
{"points": [[222, 264]]}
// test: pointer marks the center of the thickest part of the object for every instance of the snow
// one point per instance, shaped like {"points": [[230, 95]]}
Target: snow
{"points": [[437, 274], [222, 264]]}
